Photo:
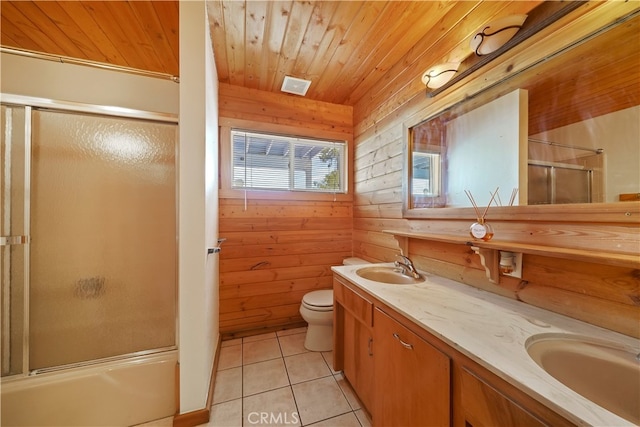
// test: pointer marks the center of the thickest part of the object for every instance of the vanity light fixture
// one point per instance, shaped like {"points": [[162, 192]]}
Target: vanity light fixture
{"points": [[440, 74], [494, 35]]}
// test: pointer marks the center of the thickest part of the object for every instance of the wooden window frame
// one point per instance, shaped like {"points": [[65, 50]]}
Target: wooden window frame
{"points": [[226, 190]]}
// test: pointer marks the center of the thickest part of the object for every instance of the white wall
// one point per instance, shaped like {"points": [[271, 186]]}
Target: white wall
{"points": [[198, 294], [486, 149], [77, 83], [212, 185]]}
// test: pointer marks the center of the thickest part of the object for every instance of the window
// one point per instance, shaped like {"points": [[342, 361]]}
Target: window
{"points": [[427, 162], [274, 162], [426, 174]]}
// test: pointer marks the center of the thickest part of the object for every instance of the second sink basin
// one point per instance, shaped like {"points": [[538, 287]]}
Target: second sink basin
{"points": [[389, 275], [605, 373]]}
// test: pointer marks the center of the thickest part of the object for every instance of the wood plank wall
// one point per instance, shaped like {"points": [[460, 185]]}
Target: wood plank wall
{"points": [[280, 246], [599, 294]]}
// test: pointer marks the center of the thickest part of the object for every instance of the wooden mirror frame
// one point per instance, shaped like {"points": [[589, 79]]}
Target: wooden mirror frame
{"points": [[499, 77]]}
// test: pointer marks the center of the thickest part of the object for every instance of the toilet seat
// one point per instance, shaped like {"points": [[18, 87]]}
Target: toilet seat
{"points": [[319, 300]]}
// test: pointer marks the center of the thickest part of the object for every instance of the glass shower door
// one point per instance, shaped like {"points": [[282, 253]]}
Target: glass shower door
{"points": [[103, 238]]}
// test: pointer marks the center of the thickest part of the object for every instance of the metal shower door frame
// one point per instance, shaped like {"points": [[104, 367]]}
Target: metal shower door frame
{"points": [[29, 103]]}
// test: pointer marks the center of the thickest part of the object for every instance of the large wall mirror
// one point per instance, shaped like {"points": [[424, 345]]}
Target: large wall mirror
{"points": [[565, 131]]}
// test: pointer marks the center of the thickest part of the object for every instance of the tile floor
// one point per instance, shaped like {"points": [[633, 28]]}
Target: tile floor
{"points": [[271, 379]]}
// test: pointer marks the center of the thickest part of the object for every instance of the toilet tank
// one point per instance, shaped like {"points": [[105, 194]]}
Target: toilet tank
{"points": [[354, 261]]}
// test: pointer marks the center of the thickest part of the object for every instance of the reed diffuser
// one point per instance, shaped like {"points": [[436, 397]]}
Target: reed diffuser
{"points": [[481, 229], [512, 200]]}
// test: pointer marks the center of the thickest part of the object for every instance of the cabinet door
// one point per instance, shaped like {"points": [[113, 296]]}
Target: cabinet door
{"points": [[483, 405], [353, 340], [358, 359], [412, 383]]}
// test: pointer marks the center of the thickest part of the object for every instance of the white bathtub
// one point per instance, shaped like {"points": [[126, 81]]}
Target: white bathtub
{"points": [[121, 393]]}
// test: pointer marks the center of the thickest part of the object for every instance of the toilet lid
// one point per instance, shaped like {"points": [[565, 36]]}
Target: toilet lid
{"points": [[322, 298]]}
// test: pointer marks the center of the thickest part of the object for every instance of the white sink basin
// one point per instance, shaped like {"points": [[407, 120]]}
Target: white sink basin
{"points": [[605, 373]]}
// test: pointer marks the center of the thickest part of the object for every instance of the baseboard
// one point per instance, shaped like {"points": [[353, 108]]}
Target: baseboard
{"points": [[192, 419], [229, 335], [214, 369], [201, 416]]}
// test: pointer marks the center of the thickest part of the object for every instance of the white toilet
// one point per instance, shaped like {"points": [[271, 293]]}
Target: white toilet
{"points": [[317, 310]]}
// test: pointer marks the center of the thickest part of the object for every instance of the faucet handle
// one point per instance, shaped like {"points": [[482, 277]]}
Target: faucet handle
{"points": [[404, 258], [407, 266]]}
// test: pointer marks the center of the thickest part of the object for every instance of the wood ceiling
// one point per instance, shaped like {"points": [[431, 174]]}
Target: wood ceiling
{"points": [[343, 47], [135, 34], [348, 49]]}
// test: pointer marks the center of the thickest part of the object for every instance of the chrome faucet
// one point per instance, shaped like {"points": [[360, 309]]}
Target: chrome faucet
{"points": [[407, 267]]}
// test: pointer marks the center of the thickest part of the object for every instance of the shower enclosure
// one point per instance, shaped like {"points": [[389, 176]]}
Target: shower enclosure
{"points": [[88, 257]]}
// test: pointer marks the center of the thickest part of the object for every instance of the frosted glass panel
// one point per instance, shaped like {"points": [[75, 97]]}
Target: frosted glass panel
{"points": [[103, 230], [13, 231]]}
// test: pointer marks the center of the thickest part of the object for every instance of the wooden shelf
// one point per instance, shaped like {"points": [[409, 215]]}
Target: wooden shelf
{"points": [[608, 258]]}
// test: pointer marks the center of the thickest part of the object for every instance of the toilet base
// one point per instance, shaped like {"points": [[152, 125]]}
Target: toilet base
{"points": [[319, 338]]}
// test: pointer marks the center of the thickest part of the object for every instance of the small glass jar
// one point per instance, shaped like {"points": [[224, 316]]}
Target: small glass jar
{"points": [[481, 230]]}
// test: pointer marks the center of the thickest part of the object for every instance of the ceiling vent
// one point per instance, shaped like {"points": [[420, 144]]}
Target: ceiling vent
{"points": [[295, 86]]}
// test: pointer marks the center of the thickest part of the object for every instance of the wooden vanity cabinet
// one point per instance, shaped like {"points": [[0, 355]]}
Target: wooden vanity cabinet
{"points": [[412, 377], [406, 376], [353, 340]]}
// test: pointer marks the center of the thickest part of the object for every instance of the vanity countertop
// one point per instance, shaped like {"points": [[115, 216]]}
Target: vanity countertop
{"points": [[492, 330]]}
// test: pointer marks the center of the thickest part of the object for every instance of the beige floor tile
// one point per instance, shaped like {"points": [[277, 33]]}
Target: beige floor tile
{"points": [[253, 338], [263, 376], [319, 400], [328, 357], [292, 331], [347, 420], [258, 351], [363, 417], [228, 385], [228, 343], [227, 414], [230, 357], [273, 408], [292, 344], [305, 367], [351, 396]]}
